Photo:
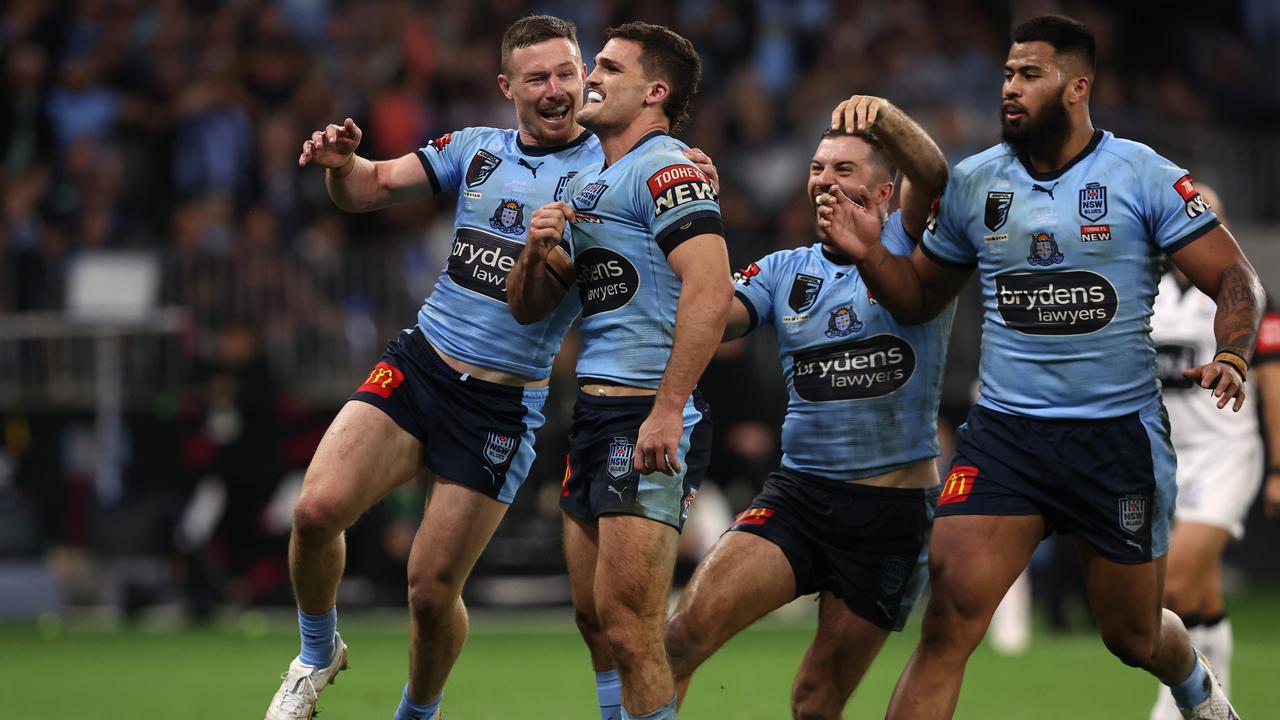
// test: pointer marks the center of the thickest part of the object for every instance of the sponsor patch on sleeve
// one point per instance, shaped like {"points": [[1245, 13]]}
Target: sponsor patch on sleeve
{"points": [[676, 185], [384, 378], [439, 143], [1269, 337], [1196, 205], [743, 276]]}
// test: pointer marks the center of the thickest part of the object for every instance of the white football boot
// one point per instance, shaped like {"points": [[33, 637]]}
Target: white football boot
{"points": [[296, 698], [1214, 707]]}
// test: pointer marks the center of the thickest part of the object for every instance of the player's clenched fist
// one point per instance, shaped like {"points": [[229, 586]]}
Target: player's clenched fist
{"points": [[859, 112], [546, 227], [332, 146]]}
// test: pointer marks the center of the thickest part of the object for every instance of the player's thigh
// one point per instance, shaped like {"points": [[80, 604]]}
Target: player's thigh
{"points": [[633, 567], [1125, 597], [581, 548], [458, 524], [973, 559], [363, 456], [743, 578], [1195, 561], [843, 648]]}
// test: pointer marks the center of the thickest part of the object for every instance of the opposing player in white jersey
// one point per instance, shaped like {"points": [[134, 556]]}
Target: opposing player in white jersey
{"points": [[461, 392], [848, 513], [1067, 226], [1220, 460]]}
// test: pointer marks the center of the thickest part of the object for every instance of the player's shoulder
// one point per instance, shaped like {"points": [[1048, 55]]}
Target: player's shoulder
{"points": [[987, 162], [657, 151], [1137, 155]]}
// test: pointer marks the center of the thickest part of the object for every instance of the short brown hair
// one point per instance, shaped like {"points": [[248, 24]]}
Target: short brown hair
{"points": [[879, 155], [668, 56], [534, 29]]}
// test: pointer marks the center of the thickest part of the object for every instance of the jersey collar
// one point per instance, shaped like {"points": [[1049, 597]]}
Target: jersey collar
{"points": [[651, 135], [1055, 174], [539, 150]]}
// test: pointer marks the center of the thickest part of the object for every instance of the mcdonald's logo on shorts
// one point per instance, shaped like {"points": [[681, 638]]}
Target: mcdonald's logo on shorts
{"points": [[384, 378], [754, 516], [958, 484]]}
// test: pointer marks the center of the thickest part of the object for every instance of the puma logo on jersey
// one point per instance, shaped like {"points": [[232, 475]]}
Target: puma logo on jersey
{"points": [[531, 168]]}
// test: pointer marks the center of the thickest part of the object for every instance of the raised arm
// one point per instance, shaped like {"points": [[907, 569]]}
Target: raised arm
{"points": [[544, 272], [356, 184], [1215, 265]]}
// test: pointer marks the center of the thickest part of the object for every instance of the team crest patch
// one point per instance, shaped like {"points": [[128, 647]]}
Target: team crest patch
{"points": [[687, 505], [895, 575], [481, 167], [498, 448], [843, 321], [508, 217], [620, 451], [589, 196], [1133, 513], [1044, 250], [1093, 201], [997, 212], [804, 292], [564, 180]]}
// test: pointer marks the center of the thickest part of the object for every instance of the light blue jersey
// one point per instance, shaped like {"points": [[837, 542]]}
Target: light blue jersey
{"points": [[1069, 262], [863, 388], [500, 182], [629, 217]]}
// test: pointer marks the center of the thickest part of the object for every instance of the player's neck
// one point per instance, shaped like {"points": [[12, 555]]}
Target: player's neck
{"points": [[1079, 138], [528, 139], [620, 142]]}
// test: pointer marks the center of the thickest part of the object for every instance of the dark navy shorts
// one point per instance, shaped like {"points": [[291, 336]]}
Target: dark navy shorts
{"points": [[867, 545], [600, 478], [473, 432], [1110, 481]]}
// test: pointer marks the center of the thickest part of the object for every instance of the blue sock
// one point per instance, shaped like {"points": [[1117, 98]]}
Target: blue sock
{"points": [[666, 712], [317, 637], [609, 693], [1192, 691], [409, 710]]}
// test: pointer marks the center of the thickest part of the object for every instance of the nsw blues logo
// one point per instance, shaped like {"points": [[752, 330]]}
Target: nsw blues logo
{"points": [[508, 217], [804, 292], [843, 321], [1093, 201], [498, 448], [1133, 513], [620, 451], [1044, 250], [997, 210], [589, 196]]}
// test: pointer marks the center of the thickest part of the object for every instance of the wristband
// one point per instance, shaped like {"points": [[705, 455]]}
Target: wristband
{"points": [[1234, 360], [346, 167]]}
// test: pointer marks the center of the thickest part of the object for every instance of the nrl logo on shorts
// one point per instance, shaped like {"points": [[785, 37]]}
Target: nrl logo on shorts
{"points": [[620, 451], [481, 167], [498, 448], [1133, 513], [997, 213]]}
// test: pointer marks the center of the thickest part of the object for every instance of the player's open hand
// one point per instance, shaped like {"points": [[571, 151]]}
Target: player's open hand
{"points": [[852, 226], [658, 443], [546, 227], [859, 112], [708, 168], [330, 147], [1222, 379]]}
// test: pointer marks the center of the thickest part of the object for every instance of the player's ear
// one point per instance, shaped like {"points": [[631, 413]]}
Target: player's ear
{"points": [[882, 193], [504, 84], [1078, 89], [658, 93]]}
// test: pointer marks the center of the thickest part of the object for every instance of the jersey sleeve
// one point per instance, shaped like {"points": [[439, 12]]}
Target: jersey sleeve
{"points": [[754, 285], [1268, 349], [677, 201], [894, 235], [945, 240], [1175, 212], [453, 158]]}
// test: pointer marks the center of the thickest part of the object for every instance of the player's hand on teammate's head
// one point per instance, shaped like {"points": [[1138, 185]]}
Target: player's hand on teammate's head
{"points": [[546, 226], [703, 161], [330, 147], [851, 225], [1222, 379], [859, 112]]}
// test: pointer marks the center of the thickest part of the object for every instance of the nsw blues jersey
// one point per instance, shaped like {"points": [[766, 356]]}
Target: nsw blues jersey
{"points": [[500, 182], [864, 389], [1069, 263], [629, 217]]}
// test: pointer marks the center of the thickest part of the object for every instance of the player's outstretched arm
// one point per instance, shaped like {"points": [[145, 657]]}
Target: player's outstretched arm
{"points": [[359, 185], [923, 166], [706, 292], [543, 273], [1216, 266], [914, 288]]}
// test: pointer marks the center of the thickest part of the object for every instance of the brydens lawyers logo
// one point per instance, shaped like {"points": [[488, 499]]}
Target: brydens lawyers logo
{"points": [[958, 485], [384, 378]]}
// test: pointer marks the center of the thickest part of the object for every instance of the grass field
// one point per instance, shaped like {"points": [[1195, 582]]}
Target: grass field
{"points": [[536, 667]]}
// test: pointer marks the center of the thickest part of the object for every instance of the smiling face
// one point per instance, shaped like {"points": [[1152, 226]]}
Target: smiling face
{"points": [[617, 88], [545, 83]]}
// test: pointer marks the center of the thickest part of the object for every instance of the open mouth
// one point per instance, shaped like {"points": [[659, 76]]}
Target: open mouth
{"points": [[594, 96], [555, 113], [1012, 111]]}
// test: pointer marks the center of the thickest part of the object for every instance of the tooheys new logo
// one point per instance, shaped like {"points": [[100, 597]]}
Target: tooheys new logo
{"points": [[854, 370], [606, 280], [1067, 302], [675, 185], [480, 262]]}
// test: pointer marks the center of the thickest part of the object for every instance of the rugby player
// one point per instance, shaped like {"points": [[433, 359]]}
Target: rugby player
{"points": [[1068, 227], [848, 513], [652, 276]]}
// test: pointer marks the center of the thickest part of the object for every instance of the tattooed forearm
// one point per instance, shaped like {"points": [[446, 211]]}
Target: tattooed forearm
{"points": [[1240, 306]]}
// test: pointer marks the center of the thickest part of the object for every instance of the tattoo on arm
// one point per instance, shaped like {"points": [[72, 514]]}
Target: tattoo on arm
{"points": [[1240, 306]]}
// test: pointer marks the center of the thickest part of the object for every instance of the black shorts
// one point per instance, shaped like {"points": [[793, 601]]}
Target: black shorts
{"points": [[1110, 481], [473, 432], [867, 545], [600, 478]]}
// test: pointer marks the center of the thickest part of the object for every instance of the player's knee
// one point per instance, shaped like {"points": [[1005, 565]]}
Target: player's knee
{"points": [[685, 644], [627, 644], [589, 626], [1133, 646], [811, 700], [317, 520], [431, 596], [955, 616]]}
